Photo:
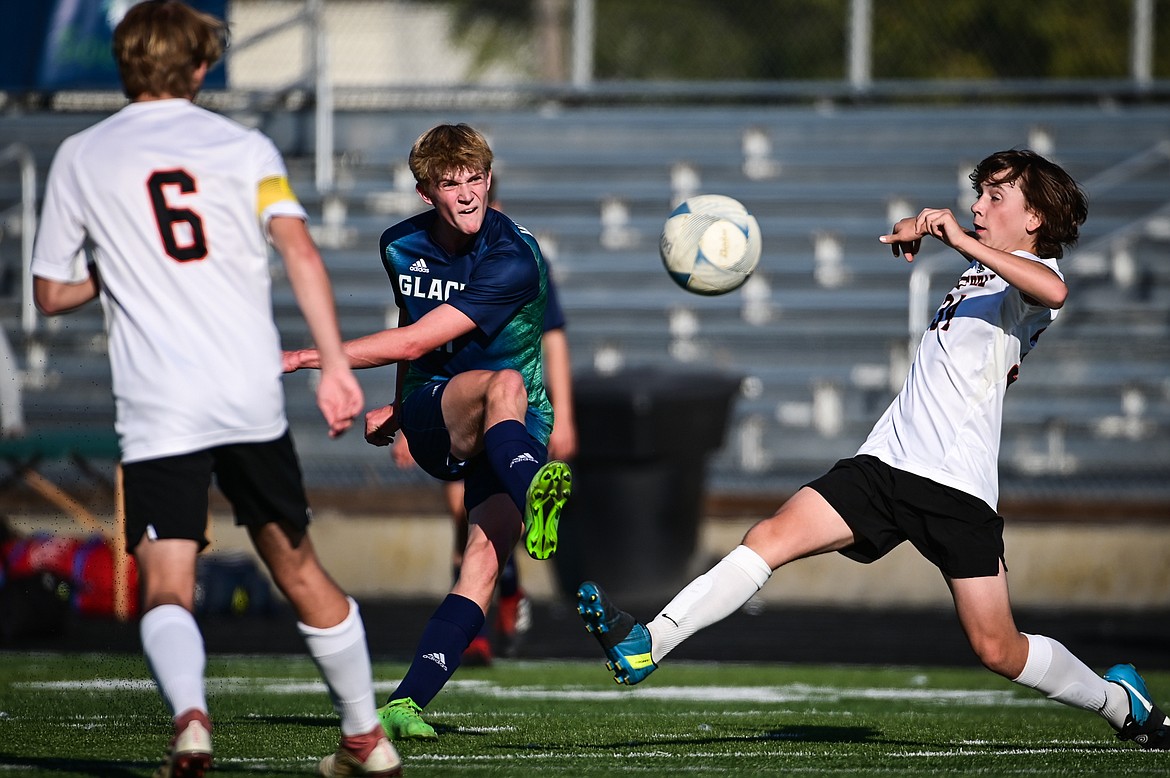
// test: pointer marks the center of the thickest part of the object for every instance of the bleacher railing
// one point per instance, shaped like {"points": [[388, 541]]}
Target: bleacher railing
{"points": [[11, 378]]}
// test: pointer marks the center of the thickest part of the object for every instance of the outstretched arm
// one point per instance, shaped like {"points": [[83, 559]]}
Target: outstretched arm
{"points": [[339, 396], [438, 327], [1033, 279]]}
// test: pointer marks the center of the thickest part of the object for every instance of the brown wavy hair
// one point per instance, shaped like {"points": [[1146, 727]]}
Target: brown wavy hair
{"points": [[159, 44], [1049, 192], [448, 148]]}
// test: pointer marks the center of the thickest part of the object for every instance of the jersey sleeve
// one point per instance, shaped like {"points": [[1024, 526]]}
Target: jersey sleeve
{"points": [[274, 194], [554, 316], [384, 257], [61, 233], [506, 279]]}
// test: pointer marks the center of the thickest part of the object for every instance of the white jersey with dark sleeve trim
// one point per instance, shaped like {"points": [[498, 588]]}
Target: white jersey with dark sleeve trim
{"points": [[169, 199], [945, 422]]}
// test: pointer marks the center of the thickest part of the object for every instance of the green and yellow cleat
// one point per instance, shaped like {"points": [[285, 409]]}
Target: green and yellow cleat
{"points": [[550, 488], [403, 720]]}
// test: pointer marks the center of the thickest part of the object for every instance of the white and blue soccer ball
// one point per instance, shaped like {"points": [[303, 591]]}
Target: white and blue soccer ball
{"points": [[710, 244]]}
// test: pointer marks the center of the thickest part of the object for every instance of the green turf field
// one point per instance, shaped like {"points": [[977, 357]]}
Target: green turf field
{"points": [[98, 715]]}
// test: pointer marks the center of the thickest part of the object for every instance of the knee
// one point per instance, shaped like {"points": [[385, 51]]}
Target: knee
{"points": [[760, 535], [1002, 655], [507, 387], [767, 538]]}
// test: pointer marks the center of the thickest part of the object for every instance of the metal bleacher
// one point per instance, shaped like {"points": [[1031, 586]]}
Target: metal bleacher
{"points": [[820, 334]]}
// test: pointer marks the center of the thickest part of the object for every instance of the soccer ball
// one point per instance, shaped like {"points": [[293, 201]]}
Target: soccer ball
{"points": [[710, 244]]}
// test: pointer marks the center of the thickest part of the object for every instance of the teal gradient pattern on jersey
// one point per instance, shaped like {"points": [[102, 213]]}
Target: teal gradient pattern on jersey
{"points": [[499, 282]]}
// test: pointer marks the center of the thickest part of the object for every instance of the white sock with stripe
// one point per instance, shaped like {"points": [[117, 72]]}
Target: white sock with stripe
{"points": [[710, 598], [1053, 670]]}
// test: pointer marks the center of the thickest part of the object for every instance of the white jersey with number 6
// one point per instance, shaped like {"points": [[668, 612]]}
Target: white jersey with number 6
{"points": [[945, 423], [171, 199]]}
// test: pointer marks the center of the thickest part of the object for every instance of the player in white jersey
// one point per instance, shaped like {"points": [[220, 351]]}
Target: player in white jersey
{"points": [[175, 204], [927, 472], [945, 424]]}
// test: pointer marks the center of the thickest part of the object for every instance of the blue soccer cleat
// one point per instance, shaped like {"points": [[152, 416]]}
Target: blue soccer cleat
{"points": [[626, 642], [550, 488], [1146, 724]]}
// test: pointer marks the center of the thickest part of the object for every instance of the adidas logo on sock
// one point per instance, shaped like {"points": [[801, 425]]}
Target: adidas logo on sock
{"points": [[419, 267], [438, 659], [525, 457]]}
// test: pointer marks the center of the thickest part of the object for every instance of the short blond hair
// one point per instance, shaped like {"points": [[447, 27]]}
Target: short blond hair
{"points": [[160, 44], [446, 149]]}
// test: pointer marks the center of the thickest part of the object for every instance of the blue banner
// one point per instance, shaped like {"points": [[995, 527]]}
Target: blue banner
{"points": [[51, 45]]}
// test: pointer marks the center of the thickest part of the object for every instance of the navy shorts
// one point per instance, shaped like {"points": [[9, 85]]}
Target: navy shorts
{"points": [[430, 444], [959, 533], [168, 497]]}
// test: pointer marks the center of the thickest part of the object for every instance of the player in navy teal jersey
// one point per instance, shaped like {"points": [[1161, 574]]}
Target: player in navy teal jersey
{"points": [[499, 282], [471, 286], [512, 608]]}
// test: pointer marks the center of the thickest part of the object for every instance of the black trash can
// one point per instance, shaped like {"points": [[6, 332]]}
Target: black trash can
{"points": [[639, 478]]}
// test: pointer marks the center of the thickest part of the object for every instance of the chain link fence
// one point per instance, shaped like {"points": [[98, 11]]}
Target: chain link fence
{"points": [[870, 46]]}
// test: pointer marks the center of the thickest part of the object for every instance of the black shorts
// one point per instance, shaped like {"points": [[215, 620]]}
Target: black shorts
{"points": [[959, 533], [168, 497], [430, 444]]}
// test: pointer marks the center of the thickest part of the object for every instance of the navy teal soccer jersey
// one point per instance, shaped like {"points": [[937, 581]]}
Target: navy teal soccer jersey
{"points": [[499, 282]]}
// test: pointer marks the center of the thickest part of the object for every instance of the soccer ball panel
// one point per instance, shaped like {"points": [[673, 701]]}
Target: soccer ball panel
{"points": [[710, 244]]}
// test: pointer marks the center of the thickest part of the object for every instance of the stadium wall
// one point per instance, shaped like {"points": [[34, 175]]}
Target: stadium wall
{"points": [[1063, 565]]}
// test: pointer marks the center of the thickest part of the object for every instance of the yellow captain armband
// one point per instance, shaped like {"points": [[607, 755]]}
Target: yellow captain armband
{"points": [[274, 189]]}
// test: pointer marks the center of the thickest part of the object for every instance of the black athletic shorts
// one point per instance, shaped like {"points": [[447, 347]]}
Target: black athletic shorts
{"points": [[430, 445], [959, 533], [168, 497]]}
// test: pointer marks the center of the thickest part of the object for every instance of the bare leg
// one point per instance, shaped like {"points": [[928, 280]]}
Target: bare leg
{"points": [[985, 613], [493, 530], [318, 601], [805, 525], [1035, 661], [328, 621], [171, 641]]}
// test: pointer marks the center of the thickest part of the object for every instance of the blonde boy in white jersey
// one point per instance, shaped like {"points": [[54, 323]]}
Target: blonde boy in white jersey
{"points": [[175, 203], [928, 471]]}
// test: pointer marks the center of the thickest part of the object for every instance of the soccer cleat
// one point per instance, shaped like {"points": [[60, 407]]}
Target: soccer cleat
{"points": [[369, 754], [1146, 724], [478, 653], [189, 754], [626, 642], [513, 620], [403, 720], [550, 487]]}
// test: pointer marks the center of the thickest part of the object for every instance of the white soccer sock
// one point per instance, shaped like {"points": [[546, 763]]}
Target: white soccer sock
{"points": [[711, 597], [173, 647], [343, 659], [1054, 670]]}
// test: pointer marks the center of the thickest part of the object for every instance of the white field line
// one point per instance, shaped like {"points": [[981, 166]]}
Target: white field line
{"points": [[771, 695]]}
